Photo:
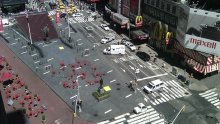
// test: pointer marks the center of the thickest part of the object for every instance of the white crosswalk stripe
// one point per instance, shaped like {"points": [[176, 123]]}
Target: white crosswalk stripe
{"points": [[51, 13], [81, 19], [124, 59], [171, 91], [148, 115], [212, 97]]}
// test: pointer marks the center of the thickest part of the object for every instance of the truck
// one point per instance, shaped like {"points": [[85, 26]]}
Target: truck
{"points": [[108, 38], [115, 49]]}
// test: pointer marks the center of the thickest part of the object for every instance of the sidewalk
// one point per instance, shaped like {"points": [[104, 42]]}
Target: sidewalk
{"points": [[57, 110], [195, 85]]}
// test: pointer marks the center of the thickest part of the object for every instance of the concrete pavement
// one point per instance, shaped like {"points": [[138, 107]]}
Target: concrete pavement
{"points": [[58, 111]]}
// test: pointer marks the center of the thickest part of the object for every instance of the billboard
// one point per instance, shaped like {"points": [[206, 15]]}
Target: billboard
{"points": [[203, 31]]}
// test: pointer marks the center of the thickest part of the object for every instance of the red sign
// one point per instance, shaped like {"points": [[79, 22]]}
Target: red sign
{"points": [[1, 25], [203, 43], [57, 17]]}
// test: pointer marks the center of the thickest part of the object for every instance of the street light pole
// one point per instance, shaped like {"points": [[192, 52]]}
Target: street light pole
{"points": [[29, 29], [78, 94]]}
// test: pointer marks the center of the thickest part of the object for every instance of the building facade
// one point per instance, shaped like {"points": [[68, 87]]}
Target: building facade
{"points": [[184, 31]]}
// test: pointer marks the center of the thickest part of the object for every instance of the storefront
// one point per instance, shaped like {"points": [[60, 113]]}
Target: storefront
{"points": [[200, 62]]}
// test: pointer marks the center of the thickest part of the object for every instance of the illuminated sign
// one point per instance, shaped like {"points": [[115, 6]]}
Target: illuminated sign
{"points": [[138, 21]]}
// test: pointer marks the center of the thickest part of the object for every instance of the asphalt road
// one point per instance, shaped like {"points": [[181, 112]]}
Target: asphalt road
{"points": [[117, 72]]}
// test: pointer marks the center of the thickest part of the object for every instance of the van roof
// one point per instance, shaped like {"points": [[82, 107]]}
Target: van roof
{"points": [[156, 82]]}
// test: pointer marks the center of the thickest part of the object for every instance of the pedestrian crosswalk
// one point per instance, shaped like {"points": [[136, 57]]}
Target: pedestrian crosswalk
{"points": [[172, 90], [212, 97], [148, 115], [52, 12], [81, 19]]}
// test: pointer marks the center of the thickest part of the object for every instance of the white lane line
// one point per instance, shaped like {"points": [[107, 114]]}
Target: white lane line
{"points": [[86, 85], [123, 70], [110, 71], [14, 43], [80, 44], [63, 67], [23, 46], [73, 97], [140, 65], [108, 111], [96, 60], [50, 59], [112, 81], [34, 54], [46, 72], [78, 68], [131, 67], [40, 43], [37, 62], [159, 75], [78, 39], [128, 96], [24, 52], [45, 45]]}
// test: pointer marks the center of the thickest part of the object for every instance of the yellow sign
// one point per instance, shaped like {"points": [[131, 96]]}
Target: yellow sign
{"points": [[107, 88], [168, 37], [61, 47], [138, 21]]}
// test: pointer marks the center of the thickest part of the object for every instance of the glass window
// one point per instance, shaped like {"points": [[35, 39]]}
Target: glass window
{"points": [[157, 3], [162, 5], [168, 7], [152, 2], [174, 10]]}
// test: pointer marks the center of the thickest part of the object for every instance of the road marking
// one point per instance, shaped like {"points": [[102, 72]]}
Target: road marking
{"points": [[45, 45], [86, 85], [34, 54], [80, 44], [40, 43], [96, 60], [78, 68], [159, 75], [46, 72], [63, 67], [55, 41], [131, 67], [112, 81], [37, 62], [23, 46], [123, 70], [24, 52], [128, 96], [140, 65], [47, 66], [78, 39], [110, 71], [7, 37], [145, 99], [50, 59], [73, 96], [108, 111], [13, 43], [148, 63]]}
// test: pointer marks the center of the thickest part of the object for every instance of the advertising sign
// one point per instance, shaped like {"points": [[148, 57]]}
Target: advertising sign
{"points": [[1, 25], [138, 21], [203, 32], [57, 17]]}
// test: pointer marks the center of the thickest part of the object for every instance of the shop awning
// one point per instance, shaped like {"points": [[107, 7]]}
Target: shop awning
{"points": [[139, 34]]}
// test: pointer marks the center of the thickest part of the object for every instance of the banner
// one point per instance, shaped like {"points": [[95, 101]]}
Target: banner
{"points": [[57, 17], [1, 25], [138, 21]]}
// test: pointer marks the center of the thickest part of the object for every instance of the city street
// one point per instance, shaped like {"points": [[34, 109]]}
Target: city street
{"points": [[62, 65]]}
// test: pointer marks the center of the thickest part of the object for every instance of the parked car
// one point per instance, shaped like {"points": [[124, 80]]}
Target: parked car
{"points": [[181, 77], [140, 108], [144, 56], [105, 27], [77, 15]]}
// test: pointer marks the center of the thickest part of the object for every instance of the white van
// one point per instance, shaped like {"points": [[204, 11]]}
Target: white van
{"points": [[154, 86], [5, 21], [115, 49]]}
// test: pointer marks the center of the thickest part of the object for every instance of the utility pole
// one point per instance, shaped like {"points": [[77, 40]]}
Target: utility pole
{"points": [[78, 95], [29, 29]]}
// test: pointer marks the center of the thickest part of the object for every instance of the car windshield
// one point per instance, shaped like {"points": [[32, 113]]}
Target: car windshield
{"points": [[150, 86]]}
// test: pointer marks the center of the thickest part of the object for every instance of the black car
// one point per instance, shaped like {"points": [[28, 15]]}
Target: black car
{"points": [[144, 56]]}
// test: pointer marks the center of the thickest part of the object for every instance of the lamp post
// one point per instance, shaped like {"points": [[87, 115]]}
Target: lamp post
{"points": [[78, 93], [29, 29]]}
